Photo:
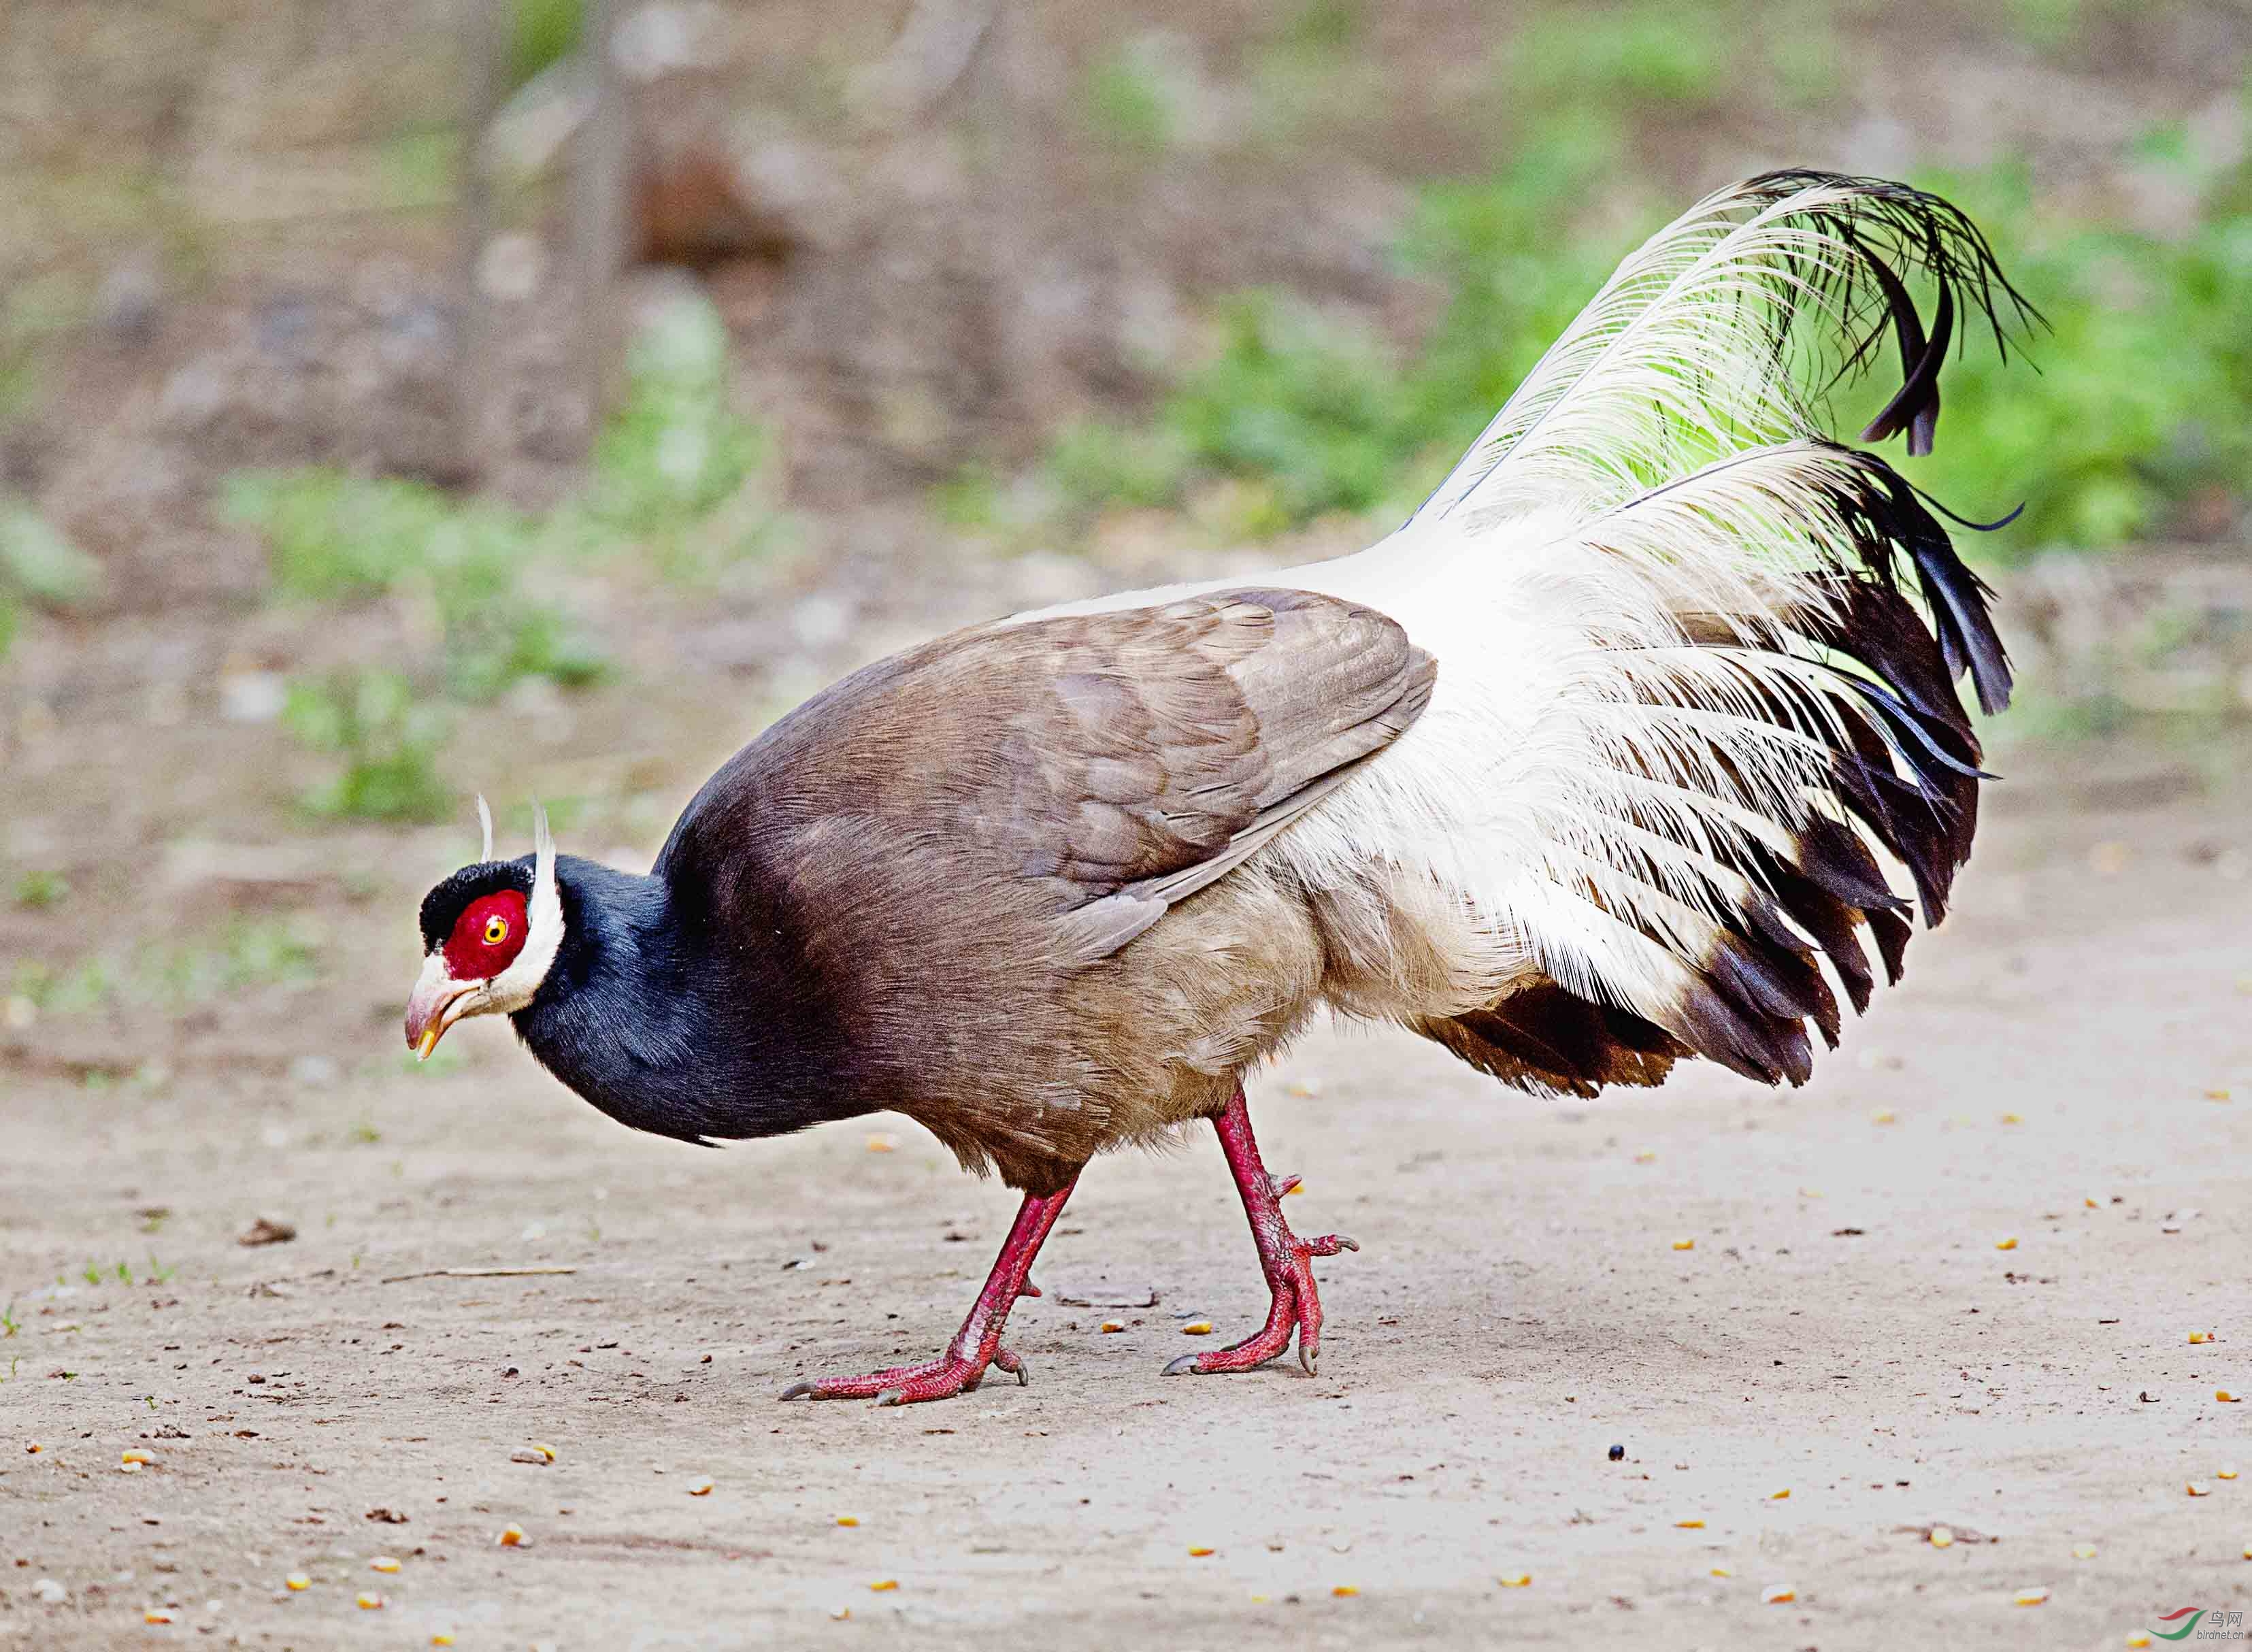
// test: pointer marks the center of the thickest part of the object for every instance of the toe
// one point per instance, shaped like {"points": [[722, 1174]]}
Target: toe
{"points": [[1184, 1366], [802, 1390]]}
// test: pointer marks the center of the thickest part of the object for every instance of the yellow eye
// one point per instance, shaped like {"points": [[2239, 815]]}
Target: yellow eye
{"points": [[496, 931]]}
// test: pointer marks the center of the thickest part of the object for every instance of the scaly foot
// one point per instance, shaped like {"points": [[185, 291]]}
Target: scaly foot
{"points": [[1287, 1259], [940, 1379]]}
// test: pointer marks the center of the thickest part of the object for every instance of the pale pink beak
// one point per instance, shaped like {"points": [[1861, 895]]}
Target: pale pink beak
{"points": [[432, 1007]]}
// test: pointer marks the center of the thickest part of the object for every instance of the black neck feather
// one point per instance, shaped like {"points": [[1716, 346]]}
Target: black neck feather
{"points": [[666, 1032]]}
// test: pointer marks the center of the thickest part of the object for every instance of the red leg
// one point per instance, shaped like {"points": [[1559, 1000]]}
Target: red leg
{"points": [[978, 1344], [1287, 1258]]}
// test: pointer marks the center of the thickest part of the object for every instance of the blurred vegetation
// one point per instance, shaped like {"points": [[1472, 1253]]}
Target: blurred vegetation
{"points": [[238, 956], [679, 479], [2137, 403]]}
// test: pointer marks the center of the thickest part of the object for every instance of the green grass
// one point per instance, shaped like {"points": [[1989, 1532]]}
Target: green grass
{"points": [[680, 483]]}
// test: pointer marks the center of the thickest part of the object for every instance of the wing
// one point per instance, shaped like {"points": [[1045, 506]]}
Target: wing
{"points": [[1159, 748], [1051, 786]]}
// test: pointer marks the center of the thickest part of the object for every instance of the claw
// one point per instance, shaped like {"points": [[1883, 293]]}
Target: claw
{"points": [[892, 1397], [1184, 1366], [801, 1391], [1284, 1186], [1015, 1366], [1307, 1356]]}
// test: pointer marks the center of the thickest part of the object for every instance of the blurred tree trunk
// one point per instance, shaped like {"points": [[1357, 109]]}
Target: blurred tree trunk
{"points": [[484, 25], [600, 181]]}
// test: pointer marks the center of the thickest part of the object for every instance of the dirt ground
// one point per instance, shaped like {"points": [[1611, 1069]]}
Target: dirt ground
{"points": [[2069, 1067]]}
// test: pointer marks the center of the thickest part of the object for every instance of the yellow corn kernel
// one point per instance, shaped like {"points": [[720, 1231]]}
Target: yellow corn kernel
{"points": [[1777, 1594], [1345, 1590], [2012, 1118], [2224, 1397], [444, 1637], [2224, 1474], [2248, 1551], [2010, 1244], [1684, 1244], [841, 1614], [701, 1489], [1777, 1497], [512, 1536], [1884, 1115], [2196, 1490], [2091, 1204], [882, 1586], [1942, 1537], [155, 1615], [1648, 1156], [1196, 1327], [384, 1563], [297, 1580], [1689, 1525], [1517, 1581], [369, 1602], [2083, 1552], [848, 1520], [1722, 1571], [2138, 1638], [1199, 1550], [135, 1457], [2030, 1597], [544, 1449], [1111, 1326], [2197, 1336], [881, 1144]]}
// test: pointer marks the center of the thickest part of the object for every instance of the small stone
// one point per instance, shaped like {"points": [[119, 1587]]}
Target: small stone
{"points": [[1618, 1454]]}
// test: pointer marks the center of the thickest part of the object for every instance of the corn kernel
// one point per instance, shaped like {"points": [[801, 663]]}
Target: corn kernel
{"points": [[848, 1520], [1517, 1581], [2197, 1336], [2030, 1597], [2010, 1244], [1777, 1594], [370, 1602], [384, 1563], [2248, 1551], [2225, 1396], [2083, 1552], [1689, 1525], [297, 1580], [135, 1457], [512, 1536], [2196, 1490], [1196, 1327], [841, 1614], [883, 1586], [155, 1615], [1112, 1326], [34, 1448], [444, 1637], [2138, 1638], [2224, 1474], [1648, 1156], [1942, 1537], [2012, 1118], [1199, 1550], [544, 1449], [1884, 1115], [1722, 1571], [881, 1144], [701, 1489], [1778, 1496], [2091, 1204], [1684, 1244], [1345, 1590]]}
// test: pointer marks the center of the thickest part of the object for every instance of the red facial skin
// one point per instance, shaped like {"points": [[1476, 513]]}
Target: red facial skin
{"points": [[469, 955]]}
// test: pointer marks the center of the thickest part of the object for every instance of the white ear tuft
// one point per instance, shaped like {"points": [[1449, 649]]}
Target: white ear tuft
{"points": [[543, 842], [484, 819], [515, 986]]}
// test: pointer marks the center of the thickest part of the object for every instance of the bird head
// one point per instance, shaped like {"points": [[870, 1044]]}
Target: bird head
{"points": [[489, 935]]}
